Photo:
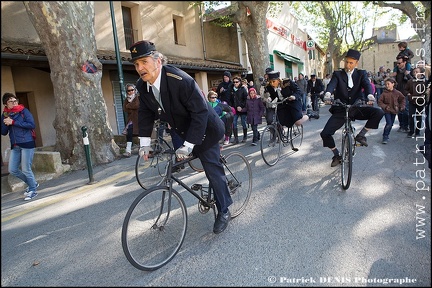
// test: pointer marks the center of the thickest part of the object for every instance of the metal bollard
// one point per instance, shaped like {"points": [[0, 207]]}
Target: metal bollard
{"points": [[87, 152]]}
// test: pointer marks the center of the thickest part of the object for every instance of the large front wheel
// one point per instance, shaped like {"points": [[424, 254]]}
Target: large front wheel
{"points": [[270, 145], [154, 228], [238, 174], [347, 160]]}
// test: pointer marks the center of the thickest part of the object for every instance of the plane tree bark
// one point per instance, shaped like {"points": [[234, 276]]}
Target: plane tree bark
{"points": [[66, 31]]}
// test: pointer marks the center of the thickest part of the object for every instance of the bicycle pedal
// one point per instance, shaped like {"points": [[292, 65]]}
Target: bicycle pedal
{"points": [[196, 187]]}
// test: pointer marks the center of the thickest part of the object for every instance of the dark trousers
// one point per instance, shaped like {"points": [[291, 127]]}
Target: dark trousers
{"points": [[129, 135], [255, 133], [315, 101], [403, 116], [373, 115], [415, 119], [390, 118], [215, 173]]}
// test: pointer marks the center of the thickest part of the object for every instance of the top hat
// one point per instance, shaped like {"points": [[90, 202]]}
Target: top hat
{"points": [[273, 75], [353, 54], [268, 70], [141, 49]]}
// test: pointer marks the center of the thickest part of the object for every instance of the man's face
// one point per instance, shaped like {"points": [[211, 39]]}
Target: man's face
{"points": [[350, 64], [400, 63], [148, 68], [274, 83]]}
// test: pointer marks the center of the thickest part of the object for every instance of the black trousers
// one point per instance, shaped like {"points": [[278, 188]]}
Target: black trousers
{"points": [[215, 173], [373, 115]]}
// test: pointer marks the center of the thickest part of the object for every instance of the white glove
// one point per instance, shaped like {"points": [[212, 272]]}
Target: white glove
{"points": [[184, 152], [322, 92], [327, 96], [291, 98], [371, 97], [145, 150]]}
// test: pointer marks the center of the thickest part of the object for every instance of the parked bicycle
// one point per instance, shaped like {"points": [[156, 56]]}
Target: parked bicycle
{"points": [[155, 224], [274, 136], [151, 173], [348, 144]]}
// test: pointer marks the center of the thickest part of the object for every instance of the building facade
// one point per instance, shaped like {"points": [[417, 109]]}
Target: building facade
{"points": [[203, 50]]}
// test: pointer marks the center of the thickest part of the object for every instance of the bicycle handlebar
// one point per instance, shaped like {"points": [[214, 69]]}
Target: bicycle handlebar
{"points": [[279, 102]]}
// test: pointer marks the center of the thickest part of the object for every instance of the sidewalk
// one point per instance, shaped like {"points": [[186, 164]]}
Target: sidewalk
{"points": [[73, 180]]}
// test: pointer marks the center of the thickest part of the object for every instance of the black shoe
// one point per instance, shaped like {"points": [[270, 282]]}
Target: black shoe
{"points": [[336, 160], [221, 222], [410, 135], [361, 140], [177, 168]]}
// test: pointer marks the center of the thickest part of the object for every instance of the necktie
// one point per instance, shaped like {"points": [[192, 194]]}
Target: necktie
{"points": [[350, 81], [157, 96]]}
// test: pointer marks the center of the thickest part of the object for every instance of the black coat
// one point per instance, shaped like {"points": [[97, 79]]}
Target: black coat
{"points": [[186, 109], [338, 86]]}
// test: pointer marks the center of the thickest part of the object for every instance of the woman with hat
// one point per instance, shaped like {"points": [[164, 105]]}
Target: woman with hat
{"points": [[272, 95]]}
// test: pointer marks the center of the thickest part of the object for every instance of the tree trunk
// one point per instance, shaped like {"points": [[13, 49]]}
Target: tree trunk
{"points": [[66, 32], [255, 32]]}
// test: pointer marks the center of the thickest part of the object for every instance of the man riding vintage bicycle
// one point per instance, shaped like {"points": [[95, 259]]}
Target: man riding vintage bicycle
{"points": [[347, 85], [188, 113]]}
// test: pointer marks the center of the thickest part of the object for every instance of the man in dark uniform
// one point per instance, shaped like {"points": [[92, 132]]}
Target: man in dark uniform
{"points": [[347, 85], [315, 90], [187, 111]]}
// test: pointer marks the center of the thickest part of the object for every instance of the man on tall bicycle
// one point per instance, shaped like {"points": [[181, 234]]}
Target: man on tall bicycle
{"points": [[188, 113], [346, 85]]}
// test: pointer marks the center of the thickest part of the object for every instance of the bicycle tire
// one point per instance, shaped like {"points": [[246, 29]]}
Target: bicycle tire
{"points": [[347, 160], [296, 136], [239, 178], [196, 165], [152, 172], [150, 239], [270, 145]]}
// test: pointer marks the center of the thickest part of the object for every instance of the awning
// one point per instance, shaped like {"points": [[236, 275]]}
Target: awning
{"points": [[288, 57]]}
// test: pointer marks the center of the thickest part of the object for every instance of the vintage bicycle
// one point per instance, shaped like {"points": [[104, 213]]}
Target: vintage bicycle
{"points": [[348, 143], [155, 224], [152, 172], [274, 136]]}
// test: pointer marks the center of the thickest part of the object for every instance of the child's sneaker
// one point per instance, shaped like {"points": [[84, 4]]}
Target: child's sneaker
{"points": [[27, 190], [31, 195]]}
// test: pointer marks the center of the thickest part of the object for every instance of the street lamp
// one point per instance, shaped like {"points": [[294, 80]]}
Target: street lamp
{"points": [[329, 62]]}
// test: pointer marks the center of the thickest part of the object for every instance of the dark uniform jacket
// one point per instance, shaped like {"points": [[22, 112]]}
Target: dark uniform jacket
{"points": [[186, 109], [349, 95], [317, 89]]}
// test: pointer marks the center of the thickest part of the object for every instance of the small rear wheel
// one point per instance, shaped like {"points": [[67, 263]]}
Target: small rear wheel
{"points": [[270, 145], [296, 136]]}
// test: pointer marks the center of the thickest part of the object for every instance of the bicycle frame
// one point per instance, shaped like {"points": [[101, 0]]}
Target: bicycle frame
{"points": [[278, 127]]}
